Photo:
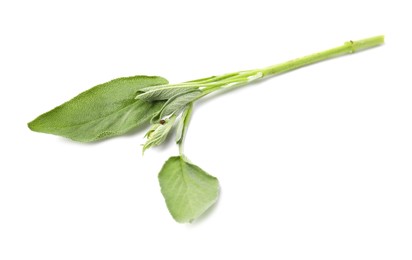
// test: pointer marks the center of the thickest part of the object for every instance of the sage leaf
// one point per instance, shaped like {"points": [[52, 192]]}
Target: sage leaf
{"points": [[177, 103], [188, 190], [158, 132], [106, 110]]}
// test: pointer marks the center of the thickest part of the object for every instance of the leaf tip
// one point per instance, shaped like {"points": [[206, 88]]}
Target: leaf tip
{"points": [[34, 126]]}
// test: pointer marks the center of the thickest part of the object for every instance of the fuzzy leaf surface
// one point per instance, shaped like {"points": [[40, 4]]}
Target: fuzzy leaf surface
{"points": [[157, 134], [188, 190], [177, 103], [106, 110]]}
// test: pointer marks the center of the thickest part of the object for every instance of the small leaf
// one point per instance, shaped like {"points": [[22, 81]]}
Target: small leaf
{"points": [[105, 110], [188, 190], [158, 132], [177, 103]]}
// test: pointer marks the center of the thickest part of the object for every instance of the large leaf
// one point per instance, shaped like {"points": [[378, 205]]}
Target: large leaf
{"points": [[105, 110], [188, 190]]}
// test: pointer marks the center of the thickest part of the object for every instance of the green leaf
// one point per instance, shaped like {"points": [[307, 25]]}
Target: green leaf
{"points": [[177, 103], [158, 132], [105, 110], [188, 190]]}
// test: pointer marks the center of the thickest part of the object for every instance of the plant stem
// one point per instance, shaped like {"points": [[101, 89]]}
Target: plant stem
{"points": [[186, 115], [241, 78], [181, 151], [346, 48]]}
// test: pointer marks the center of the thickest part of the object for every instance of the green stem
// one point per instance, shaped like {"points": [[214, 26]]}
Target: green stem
{"points": [[237, 79], [181, 151], [346, 48], [185, 119], [244, 77]]}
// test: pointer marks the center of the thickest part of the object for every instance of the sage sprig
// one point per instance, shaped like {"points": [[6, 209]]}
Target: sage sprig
{"points": [[123, 104]]}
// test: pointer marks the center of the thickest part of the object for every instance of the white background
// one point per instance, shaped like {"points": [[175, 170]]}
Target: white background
{"points": [[313, 164]]}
